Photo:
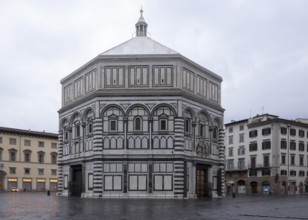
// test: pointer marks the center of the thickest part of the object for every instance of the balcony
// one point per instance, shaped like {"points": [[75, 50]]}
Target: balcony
{"points": [[259, 166], [236, 168]]}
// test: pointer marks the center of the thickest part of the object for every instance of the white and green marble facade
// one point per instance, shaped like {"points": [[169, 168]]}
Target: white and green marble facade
{"points": [[139, 120]]}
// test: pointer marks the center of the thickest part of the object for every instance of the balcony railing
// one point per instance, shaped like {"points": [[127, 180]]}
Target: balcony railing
{"points": [[256, 166], [236, 168]]}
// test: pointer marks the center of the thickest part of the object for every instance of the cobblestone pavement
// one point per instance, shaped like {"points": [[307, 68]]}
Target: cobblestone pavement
{"points": [[24, 206]]}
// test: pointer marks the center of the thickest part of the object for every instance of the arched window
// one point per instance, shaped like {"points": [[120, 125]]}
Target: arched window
{"points": [[76, 127], [89, 123], [138, 124], [203, 126], [283, 172], [113, 123], [53, 158], [113, 120], [188, 122]]}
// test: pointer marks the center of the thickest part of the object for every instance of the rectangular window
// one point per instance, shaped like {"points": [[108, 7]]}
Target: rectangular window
{"points": [[253, 162], [214, 92], [301, 160], [188, 80], [78, 88], [231, 139], [113, 168], [54, 159], [27, 171], [112, 183], [27, 157], [12, 156], [292, 145], [138, 76], [230, 151], [27, 143], [241, 150], [292, 132], [54, 145], [162, 75], [113, 125], [90, 81], [12, 141], [301, 133], [0, 140], [241, 163], [253, 133], [230, 129], [266, 172], [41, 144], [12, 170], [241, 127], [292, 159], [283, 159], [137, 183], [163, 168], [241, 137], [283, 144], [53, 172], [201, 86], [163, 182], [230, 165], [40, 171], [301, 146], [163, 124], [266, 162], [41, 158], [266, 131], [114, 76], [266, 145], [253, 147], [67, 93], [283, 130]]}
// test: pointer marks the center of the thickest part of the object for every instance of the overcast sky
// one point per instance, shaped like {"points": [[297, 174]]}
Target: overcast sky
{"points": [[259, 47]]}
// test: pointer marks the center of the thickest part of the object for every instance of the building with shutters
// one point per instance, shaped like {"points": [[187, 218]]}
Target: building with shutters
{"points": [[267, 154], [28, 160], [141, 121]]}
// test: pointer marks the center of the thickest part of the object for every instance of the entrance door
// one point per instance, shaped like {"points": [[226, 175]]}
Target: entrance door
{"points": [[1, 184], [76, 183], [202, 185]]}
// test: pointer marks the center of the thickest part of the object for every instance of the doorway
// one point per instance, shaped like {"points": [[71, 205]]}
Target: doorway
{"points": [[75, 186], [202, 185]]}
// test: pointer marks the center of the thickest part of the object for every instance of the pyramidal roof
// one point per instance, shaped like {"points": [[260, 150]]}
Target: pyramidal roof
{"points": [[141, 44]]}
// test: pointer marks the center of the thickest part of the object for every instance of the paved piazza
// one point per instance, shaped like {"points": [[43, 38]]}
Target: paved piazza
{"points": [[40, 206]]}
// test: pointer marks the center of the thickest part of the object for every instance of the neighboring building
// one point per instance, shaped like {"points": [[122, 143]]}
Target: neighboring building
{"points": [[141, 120], [28, 160], [266, 154]]}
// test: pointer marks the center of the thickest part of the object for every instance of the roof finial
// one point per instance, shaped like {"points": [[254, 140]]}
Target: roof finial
{"points": [[141, 26], [141, 10]]}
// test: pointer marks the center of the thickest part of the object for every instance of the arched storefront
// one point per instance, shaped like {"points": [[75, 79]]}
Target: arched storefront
{"points": [[254, 187], [283, 189], [266, 189], [2, 176], [241, 187], [306, 186]]}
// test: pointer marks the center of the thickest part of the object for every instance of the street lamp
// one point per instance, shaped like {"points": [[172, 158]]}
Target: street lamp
{"points": [[288, 153]]}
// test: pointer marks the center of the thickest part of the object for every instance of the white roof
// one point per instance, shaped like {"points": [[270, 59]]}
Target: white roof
{"points": [[139, 46]]}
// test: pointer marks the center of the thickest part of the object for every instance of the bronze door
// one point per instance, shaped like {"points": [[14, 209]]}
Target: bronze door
{"points": [[202, 183]]}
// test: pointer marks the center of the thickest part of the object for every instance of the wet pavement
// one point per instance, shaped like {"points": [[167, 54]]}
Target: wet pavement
{"points": [[24, 206]]}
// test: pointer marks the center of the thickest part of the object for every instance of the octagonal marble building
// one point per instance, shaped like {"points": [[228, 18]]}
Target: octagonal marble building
{"points": [[141, 121]]}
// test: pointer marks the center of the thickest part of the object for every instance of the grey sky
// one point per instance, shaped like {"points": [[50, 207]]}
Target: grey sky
{"points": [[259, 47]]}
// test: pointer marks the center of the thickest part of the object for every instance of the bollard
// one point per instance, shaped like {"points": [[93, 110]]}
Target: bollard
{"points": [[48, 192], [233, 195]]}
